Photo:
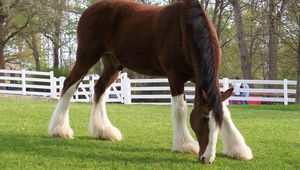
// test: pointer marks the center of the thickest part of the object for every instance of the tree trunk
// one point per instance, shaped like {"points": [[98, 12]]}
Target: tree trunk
{"points": [[204, 4], [298, 72], [244, 54], [2, 44], [35, 53], [57, 33], [56, 55], [218, 16], [56, 44], [2, 61], [273, 41]]}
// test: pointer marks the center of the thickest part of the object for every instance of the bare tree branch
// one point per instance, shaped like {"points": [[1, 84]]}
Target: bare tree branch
{"points": [[28, 43], [49, 37], [228, 41]]}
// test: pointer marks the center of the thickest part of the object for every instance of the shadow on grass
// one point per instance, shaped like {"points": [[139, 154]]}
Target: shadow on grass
{"points": [[84, 148]]}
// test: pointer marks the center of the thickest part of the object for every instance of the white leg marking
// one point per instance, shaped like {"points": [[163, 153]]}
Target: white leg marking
{"points": [[183, 141], [100, 126], [210, 151], [59, 125], [233, 141]]}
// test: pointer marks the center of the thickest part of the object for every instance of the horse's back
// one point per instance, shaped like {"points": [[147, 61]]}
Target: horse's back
{"points": [[141, 37], [107, 19]]}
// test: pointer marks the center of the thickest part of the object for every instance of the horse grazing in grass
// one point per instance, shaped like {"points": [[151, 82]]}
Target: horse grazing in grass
{"points": [[177, 41]]}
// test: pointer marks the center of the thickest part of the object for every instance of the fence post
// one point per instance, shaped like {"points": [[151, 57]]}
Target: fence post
{"points": [[122, 87], [285, 92], [225, 87], [23, 76], [52, 85], [126, 88]]}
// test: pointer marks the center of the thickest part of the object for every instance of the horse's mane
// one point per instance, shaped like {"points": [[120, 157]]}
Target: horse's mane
{"points": [[208, 50]]}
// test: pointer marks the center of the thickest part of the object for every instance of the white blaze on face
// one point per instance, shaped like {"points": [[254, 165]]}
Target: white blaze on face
{"points": [[210, 151]]}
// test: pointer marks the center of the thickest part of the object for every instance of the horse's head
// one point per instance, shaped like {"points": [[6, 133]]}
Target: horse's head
{"points": [[200, 119]]}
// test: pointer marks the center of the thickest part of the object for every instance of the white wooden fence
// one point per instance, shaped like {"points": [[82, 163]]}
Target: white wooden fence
{"points": [[127, 91]]}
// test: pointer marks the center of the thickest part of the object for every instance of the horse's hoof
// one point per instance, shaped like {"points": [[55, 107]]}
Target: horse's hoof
{"points": [[240, 153], [65, 134], [109, 133], [114, 134], [191, 147], [209, 159]]}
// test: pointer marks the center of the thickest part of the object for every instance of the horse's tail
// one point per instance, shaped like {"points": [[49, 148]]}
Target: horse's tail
{"points": [[208, 50]]}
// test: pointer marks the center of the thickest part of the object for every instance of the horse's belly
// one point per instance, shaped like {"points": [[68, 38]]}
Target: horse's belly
{"points": [[142, 64], [138, 53]]}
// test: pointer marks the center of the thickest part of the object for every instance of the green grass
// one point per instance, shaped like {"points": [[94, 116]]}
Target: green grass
{"points": [[273, 133]]}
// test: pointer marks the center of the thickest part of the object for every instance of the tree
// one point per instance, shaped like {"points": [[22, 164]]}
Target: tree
{"points": [[298, 68], [12, 22], [32, 42], [244, 54], [57, 21], [53, 27], [3, 16], [276, 9], [217, 16], [204, 3], [291, 39]]}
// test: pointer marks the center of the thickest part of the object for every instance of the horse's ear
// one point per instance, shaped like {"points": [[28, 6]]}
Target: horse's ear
{"points": [[204, 95], [226, 94]]}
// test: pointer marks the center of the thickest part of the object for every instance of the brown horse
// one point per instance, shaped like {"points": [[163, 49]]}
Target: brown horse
{"points": [[177, 41]]}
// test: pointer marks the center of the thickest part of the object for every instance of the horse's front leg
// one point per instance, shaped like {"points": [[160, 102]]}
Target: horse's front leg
{"points": [[182, 141], [233, 141]]}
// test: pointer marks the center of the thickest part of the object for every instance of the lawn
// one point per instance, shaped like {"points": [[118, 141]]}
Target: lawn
{"points": [[272, 131]]}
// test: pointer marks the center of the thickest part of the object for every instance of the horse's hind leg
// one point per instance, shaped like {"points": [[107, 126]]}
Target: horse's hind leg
{"points": [[182, 141], [100, 126], [233, 141], [59, 125]]}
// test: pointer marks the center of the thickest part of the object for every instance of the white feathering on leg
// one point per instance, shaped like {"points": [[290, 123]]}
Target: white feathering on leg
{"points": [[182, 141], [233, 141], [59, 125], [100, 126]]}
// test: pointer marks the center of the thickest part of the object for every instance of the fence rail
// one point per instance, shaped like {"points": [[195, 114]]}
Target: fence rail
{"points": [[145, 91]]}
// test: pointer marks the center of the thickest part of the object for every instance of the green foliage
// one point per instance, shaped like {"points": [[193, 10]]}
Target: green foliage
{"points": [[255, 23], [92, 1], [43, 17], [272, 131], [64, 72]]}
